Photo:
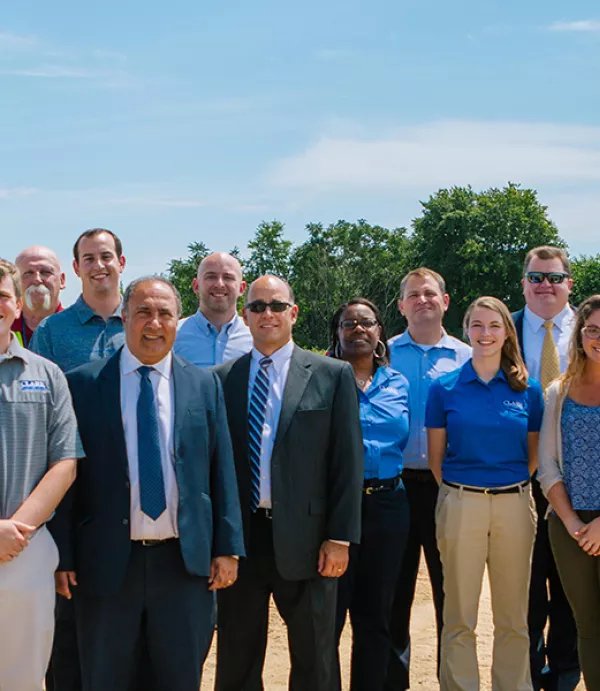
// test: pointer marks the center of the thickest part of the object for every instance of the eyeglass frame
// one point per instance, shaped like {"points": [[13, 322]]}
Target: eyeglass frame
{"points": [[358, 322], [260, 306], [591, 338], [546, 277]]}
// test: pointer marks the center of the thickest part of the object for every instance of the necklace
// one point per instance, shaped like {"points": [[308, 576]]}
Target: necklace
{"points": [[363, 382]]}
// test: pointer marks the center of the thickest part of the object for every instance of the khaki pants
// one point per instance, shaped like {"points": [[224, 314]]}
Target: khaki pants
{"points": [[27, 614], [473, 530]]}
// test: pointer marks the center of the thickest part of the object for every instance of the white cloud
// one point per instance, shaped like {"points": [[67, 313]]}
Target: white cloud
{"points": [[333, 54], [10, 193], [10, 41], [157, 201], [581, 25], [446, 153], [48, 72]]}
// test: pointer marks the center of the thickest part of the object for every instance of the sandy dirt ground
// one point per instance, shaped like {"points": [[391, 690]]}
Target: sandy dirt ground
{"points": [[423, 638]]}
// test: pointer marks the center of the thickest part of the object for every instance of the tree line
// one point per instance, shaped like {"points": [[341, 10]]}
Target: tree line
{"points": [[476, 240]]}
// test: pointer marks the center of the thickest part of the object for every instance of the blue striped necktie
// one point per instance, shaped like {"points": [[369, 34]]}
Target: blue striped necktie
{"points": [[152, 487], [256, 423]]}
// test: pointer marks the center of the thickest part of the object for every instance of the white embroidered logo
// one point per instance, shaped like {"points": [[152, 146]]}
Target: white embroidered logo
{"points": [[33, 385]]}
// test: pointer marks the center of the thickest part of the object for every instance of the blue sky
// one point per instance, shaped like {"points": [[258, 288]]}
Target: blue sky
{"points": [[183, 121]]}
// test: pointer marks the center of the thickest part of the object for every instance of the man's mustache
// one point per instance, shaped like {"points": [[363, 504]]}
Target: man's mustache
{"points": [[37, 293]]}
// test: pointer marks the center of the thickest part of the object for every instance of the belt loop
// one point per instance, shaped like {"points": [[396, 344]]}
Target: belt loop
{"points": [[522, 489], [460, 492]]}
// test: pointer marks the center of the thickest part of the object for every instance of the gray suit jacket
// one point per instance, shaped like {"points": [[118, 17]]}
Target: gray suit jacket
{"points": [[317, 460]]}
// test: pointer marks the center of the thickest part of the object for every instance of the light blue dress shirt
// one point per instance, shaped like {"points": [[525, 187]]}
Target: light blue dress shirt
{"points": [[78, 335], [422, 365], [199, 341]]}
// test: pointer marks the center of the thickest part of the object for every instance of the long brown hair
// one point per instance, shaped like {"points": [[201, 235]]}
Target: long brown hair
{"points": [[577, 356], [511, 360]]}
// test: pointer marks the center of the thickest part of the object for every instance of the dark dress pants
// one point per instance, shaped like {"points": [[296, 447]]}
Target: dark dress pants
{"points": [[554, 661], [159, 606], [307, 608], [367, 588], [422, 492]]}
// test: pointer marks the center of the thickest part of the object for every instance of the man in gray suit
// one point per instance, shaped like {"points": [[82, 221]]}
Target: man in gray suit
{"points": [[294, 423]]}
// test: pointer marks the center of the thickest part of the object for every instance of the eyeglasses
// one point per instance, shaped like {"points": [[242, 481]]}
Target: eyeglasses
{"points": [[259, 306], [553, 277], [353, 323], [591, 332]]}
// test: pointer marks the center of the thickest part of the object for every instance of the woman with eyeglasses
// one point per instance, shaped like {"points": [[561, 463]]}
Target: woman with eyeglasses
{"points": [[483, 423], [367, 589], [570, 477]]}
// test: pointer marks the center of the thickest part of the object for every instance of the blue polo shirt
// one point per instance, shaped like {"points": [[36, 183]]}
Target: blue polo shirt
{"points": [[78, 335], [422, 365], [384, 419], [199, 341], [487, 426]]}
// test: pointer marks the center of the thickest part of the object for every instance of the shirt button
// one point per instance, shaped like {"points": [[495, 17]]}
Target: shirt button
{"points": [[125, 521]]}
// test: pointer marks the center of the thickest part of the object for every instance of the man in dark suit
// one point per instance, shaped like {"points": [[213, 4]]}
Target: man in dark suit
{"points": [[544, 329], [297, 442], [153, 524]]}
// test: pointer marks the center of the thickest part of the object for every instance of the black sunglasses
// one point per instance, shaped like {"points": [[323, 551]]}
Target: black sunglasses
{"points": [[553, 277], [353, 323], [259, 306]]}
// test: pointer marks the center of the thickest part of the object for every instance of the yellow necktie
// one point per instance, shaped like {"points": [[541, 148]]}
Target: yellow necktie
{"points": [[550, 366]]}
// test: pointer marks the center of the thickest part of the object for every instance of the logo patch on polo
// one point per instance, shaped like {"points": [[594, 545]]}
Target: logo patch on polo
{"points": [[33, 385]]}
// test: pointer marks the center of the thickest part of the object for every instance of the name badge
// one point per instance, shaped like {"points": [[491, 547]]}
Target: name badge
{"points": [[33, 385]]}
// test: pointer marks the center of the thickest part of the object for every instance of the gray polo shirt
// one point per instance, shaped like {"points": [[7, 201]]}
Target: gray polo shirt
{"points": [[77, 336], [37, 424]]}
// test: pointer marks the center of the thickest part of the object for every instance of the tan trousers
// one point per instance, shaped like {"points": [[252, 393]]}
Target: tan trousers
{"points": [[27, 614], [474, 530]]}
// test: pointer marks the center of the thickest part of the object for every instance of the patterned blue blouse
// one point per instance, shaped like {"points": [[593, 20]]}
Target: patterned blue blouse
{"points": [[580, 426]]}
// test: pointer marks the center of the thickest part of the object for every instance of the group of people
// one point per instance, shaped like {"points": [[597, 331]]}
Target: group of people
{"points": [[216, 456]]}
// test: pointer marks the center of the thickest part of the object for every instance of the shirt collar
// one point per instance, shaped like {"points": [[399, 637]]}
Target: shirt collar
{"points": [[15, 349], [85, 312], [209, 328], [561, 321], [445, 341], [129, 363], [279, 357], [469, 374]]}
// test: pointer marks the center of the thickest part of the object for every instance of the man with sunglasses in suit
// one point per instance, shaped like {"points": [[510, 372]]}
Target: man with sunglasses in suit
{"points": [[544, 329], [294, 423]]}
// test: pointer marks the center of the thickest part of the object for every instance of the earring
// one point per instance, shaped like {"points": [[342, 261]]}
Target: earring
{"points": [[383, 345], [337, 351]]}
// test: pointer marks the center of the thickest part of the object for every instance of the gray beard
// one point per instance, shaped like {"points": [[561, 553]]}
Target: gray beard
{"points": [[38, 291]]}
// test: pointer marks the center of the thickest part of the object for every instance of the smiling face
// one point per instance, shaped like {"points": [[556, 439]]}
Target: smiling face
{"points": [[360, 341], [98, 266], [486, 332], [270, 330], [41, 278], [150, 321], [423, 302], [10, 309], [591, 346], [546, 299], [218, 285]]}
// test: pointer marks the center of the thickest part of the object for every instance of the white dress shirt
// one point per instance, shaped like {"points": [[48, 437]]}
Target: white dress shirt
{"points": [[533, 338], [278, 374], [142, 526]]}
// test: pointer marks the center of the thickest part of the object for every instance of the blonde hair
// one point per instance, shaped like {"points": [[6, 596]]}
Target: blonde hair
{"points": [[511, 361], [577, 356], [9, 269]]}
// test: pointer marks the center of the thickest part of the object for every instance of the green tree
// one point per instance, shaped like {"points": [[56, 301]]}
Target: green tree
{"points": [[343, 261], [269, 252], [586, 277], [182, 271], [478, 241]]}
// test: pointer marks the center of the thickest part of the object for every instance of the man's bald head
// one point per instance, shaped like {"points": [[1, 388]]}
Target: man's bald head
{"points": [[270, 282], [42, 281], [270, 313], [218, 285]]}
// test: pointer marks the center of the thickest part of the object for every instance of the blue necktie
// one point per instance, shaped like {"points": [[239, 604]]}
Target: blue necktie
{"points": [[152, 487], [256, 423]]}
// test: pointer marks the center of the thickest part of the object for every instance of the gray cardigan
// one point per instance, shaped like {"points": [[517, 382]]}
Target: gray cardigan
{"points": [[550, 453]]}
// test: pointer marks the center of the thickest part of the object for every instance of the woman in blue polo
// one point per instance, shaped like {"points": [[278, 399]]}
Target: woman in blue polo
{"points": [[367, 588], [483, 423]]}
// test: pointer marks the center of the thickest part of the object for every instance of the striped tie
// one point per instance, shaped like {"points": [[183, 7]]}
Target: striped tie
{"points": [[256, 422]]}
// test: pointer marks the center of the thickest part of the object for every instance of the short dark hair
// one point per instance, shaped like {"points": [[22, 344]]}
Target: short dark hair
{"points": [[156, 278], [9, 269], [92, 233], [380, 361], [545, 253]]}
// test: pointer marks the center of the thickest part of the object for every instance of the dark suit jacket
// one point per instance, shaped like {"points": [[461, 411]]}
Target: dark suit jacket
{"points": [[517, 318], [317, 460], [91, 527]]}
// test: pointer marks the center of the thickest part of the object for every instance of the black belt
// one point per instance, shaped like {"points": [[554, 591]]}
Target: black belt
{"points": [[261, 512], [376, 485], [153, 543], [489, 490]]}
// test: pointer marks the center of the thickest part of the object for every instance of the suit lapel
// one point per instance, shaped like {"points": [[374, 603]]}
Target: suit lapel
{"points": [[182, 395], [297, 381], [236, 393], [110, 392]]}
